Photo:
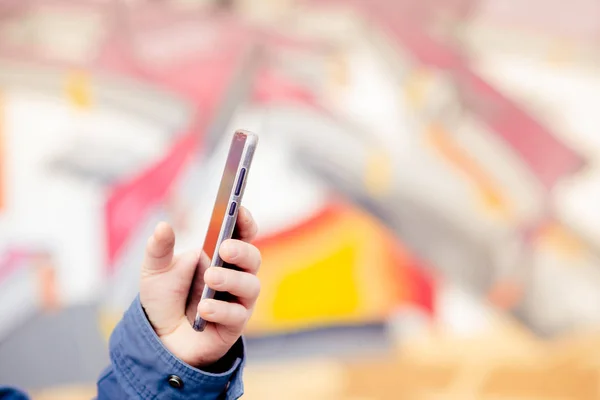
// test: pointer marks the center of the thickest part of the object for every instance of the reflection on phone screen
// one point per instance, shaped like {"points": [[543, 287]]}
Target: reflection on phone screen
{"points": [[222, 203]]}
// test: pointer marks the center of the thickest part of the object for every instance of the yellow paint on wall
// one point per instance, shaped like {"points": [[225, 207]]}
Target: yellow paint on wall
{"points": [[416, 88], [336, 273], [378, 173], [325, 290], [78, 89]]}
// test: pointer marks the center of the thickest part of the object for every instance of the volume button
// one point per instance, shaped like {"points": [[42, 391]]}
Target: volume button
{"points": [[232, 208], [240, 181]]}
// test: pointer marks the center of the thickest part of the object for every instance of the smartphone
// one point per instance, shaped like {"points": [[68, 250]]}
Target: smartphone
{"points": [[225, 211]]}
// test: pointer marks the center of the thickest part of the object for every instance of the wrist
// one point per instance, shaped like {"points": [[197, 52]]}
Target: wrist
{"points": [[227, 361], [204, 354]]}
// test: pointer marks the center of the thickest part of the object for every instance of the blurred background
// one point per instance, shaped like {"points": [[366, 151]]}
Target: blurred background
{"points": [[428, 172]]}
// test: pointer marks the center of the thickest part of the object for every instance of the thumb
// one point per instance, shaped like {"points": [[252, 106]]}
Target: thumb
{"points": [[165, 280], [159, 250]]}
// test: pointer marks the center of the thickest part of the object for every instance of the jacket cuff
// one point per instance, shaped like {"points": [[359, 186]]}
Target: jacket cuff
{"points": [[145, 368]]}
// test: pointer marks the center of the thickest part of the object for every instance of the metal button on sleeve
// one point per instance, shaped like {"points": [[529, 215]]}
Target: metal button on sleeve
{"points": [[175, 382]]}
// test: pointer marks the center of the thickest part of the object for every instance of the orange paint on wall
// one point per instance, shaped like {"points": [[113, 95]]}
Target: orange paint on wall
{"points": [[490, 193], [46, 274], [417, 282], [562, 240]]}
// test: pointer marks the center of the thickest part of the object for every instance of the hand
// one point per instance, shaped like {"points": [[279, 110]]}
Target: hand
{"points": [[166, 282]]}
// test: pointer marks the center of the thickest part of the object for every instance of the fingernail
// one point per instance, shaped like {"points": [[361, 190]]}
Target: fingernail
{"points": [[207, 307], [230, 249]]}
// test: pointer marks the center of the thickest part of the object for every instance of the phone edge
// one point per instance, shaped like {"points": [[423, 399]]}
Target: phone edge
{"points": [[228, 225]]}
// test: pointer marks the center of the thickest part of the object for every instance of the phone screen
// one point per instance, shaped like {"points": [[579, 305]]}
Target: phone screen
{"points": [[227, 181]]}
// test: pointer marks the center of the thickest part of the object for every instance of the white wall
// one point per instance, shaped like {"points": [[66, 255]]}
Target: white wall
{"points": [[59, 211]]}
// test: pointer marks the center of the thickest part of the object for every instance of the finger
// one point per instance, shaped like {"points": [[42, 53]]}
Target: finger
{"points": [[159, 249], [245, 286], [246, 227], [231, 315], [241, 254]]}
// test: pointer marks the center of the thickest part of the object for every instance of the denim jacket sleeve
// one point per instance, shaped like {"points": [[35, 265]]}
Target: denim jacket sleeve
{"points": [[142, 368]]}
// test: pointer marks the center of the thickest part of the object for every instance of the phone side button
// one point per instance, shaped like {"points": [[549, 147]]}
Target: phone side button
{"points": [[238, 188], [232, 208]]}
